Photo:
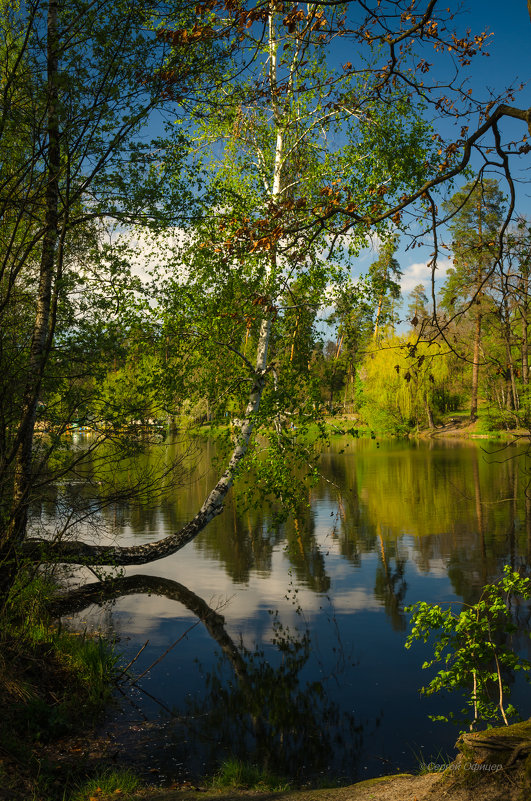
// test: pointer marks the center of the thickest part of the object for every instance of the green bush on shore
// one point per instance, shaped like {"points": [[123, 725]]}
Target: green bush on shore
{"points": [[53, 682]]}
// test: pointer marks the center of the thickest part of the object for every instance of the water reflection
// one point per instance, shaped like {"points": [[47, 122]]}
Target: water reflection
{"points": [[458, 503], [273, 717], [258, 707], [389, 524], [465, 508], [390, 585]]}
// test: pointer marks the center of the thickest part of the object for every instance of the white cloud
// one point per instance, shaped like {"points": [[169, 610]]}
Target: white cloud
{"points": [[149, 251], [420, 273]]}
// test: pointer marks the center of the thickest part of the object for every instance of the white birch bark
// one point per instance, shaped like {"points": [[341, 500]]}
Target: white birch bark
{"points": [[85, 553]]}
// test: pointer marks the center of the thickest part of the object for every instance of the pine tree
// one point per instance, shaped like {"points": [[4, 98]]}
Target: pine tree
{"points": [[476, 215]]}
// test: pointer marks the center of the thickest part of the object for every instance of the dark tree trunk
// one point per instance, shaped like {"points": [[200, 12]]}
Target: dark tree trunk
{"points": [[475, 369], [14, 533], [525, 336], [86, 554], [512, 394], [429, 413]]}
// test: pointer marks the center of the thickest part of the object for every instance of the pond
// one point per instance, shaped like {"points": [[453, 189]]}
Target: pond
{"points": [[284, 644]]}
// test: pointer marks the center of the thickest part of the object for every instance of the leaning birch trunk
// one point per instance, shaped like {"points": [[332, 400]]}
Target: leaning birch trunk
{"points": [[85, 553]]}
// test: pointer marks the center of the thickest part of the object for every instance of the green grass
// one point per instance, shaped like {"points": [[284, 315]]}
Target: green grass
{"points": [[93, 660], [438, 764], [52, 682], [334, 427], [90, 660], [235, 773], [115, 783]]}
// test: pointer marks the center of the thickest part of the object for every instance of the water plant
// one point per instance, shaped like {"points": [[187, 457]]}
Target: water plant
{"points": [[474, 647]]}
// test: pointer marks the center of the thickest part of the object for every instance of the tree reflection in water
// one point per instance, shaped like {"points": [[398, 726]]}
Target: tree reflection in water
{"points": [[273, 717], [257, 706]]}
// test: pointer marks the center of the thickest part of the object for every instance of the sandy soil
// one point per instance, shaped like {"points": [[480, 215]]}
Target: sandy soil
{"points": [[429, 787], [462, 781]]}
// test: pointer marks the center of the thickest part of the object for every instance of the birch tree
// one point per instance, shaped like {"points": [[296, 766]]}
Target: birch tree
{"points": [[72, 104], [303, 160], [383, 274], [277, 149]]}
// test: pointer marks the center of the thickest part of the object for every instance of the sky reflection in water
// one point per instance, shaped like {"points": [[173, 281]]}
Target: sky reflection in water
{"points": [[314, 612]]}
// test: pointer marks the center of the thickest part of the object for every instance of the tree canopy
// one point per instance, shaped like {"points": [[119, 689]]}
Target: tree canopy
{"points": [[278, 164]]}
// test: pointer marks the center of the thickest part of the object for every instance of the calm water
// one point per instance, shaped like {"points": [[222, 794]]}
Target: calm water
{"points": [[291, 639]]}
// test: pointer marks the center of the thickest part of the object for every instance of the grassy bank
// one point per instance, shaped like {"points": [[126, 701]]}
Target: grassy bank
{"points": [[493, 765], [452, 426], [333, 427], [53, 685]]}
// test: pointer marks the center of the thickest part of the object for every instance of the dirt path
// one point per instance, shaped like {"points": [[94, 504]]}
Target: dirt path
{"points": [[464, 429], [491, 765], [429, 787]]}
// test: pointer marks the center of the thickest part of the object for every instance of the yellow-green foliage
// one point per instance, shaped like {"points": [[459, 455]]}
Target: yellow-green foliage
{"points": [[128, 393], [399, 378]]}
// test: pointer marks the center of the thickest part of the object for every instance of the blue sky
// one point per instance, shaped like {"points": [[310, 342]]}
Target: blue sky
{"points": [[510, 45], [508, 64]]}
